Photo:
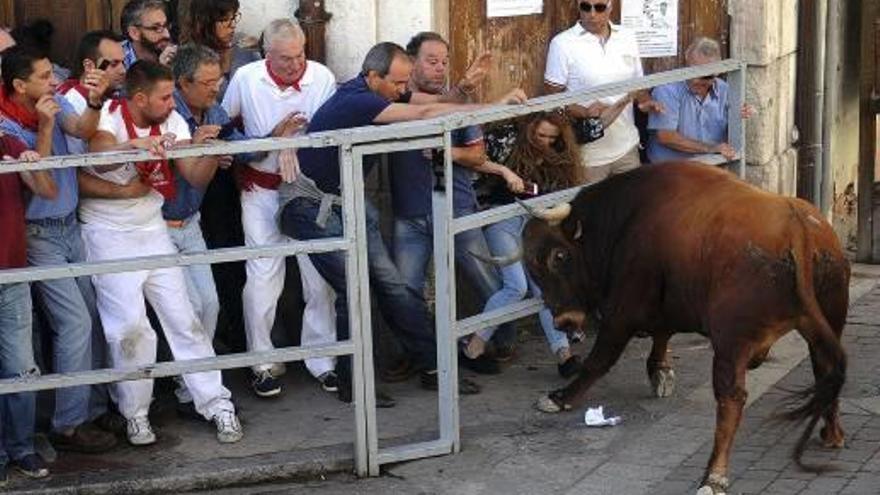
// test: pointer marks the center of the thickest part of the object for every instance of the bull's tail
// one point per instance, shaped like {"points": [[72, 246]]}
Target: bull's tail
{"points": [[825, 347]]}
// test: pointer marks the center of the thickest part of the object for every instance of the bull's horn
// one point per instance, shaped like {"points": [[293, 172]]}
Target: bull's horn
{"points": [[532, 211], [554, 215], [502, 261]]}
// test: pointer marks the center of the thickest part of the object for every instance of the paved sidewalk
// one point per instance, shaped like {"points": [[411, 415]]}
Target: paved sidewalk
{"points": [[509, 447]]}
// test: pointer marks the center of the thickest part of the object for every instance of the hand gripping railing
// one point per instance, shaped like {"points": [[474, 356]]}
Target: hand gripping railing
{"points": [[354, 144]]}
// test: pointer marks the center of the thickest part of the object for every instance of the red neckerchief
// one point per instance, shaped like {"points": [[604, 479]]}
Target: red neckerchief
{"points": [[156, 173], [74, 84], [281, 83], [18, 113]]}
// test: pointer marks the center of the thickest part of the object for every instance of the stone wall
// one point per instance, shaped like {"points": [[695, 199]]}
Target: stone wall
{"points": [[764, 35]]}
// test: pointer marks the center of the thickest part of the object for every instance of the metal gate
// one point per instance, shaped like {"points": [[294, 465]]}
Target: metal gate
{"points": [[354, 144]]}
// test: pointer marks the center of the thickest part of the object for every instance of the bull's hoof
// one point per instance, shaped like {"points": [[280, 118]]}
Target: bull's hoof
{"points": [[832, 438], [715, 484], [663, 382], [552, 403]]}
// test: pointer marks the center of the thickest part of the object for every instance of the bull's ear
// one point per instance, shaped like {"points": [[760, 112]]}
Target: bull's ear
{"points": [[576, 234]]}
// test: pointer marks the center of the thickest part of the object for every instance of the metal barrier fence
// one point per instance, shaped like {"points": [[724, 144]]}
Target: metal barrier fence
{"points": [[354, 145]]}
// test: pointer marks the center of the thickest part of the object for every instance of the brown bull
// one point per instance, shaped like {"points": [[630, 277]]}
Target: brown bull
{"points": [[684, 247]]}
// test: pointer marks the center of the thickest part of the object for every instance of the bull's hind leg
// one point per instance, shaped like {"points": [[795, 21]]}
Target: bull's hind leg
{"points": [[660, 371], [832, 432], [728, 382]]}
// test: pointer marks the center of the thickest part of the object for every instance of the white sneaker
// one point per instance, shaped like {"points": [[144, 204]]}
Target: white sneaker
{"points": [[228, 427], [139, 431]]}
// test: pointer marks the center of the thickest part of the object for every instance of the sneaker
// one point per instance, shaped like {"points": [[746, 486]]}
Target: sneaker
{"points": [[329, 381], [85, 439], [32, 466], [139, 431], [265, 385], [228, 427]]}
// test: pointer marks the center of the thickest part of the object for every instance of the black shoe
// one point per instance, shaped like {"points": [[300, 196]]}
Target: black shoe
{"points": [[329, 381], [187, 410], [570, 367], [32, 466], [4, 476], [265, 385], [383, 401], [86, 439], [428, 380], [111, 422], [504, 352], [483, 365]]}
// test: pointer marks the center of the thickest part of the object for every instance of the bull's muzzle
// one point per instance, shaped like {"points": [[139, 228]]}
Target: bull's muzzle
{"points": [[570, 321], [553, 216]]}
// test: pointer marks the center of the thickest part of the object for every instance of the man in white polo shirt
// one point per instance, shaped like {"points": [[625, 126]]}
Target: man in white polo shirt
{"points": [[591, 53], [124, 228], [276, 97]]}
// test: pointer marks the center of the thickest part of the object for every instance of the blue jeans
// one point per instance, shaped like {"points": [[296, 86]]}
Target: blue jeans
{"points": [[404, 309], [414, 245], [504, 239], [69, 305], [199, 285], [17, 411]]}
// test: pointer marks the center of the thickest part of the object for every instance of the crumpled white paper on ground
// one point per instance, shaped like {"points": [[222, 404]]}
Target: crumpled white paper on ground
{"points": [[594, 416]]}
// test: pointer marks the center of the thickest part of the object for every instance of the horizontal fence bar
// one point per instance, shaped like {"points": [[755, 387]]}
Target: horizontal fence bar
{"points": [[402, 145], [495, 215], [173, 368], [225, 255], [376, 134], [508, 313], [414, 451]]}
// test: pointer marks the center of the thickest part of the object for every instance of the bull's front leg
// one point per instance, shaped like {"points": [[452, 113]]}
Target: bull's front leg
{"points": [[660, 370], [609, 345]]}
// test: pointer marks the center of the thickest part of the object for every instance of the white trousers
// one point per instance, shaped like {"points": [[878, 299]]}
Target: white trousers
{"points": [[131, 340], [265, 281]]}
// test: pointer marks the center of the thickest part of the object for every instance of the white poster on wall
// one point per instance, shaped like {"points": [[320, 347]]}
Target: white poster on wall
{"points": [[510, 8], [655, 23]]}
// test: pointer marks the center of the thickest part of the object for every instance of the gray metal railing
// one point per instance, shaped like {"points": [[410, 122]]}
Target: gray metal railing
{"points": [[354, 144]]}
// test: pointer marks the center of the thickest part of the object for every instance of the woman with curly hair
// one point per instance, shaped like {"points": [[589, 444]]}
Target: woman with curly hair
{"points": [[212, 23], [546, 157]]}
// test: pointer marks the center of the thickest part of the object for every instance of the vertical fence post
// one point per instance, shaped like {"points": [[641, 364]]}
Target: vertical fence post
{"points": [[736, 128], [444, 265], [354, 219]]}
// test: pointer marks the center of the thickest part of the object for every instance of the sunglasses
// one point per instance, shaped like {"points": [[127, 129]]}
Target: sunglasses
{"points": [[598, 7]]}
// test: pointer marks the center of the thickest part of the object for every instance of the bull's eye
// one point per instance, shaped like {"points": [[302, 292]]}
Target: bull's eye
{"points": [[558, 259]]}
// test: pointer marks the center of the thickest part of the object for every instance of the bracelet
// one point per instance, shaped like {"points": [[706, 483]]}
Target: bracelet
{"points": [[469, 90], [94, 107]]}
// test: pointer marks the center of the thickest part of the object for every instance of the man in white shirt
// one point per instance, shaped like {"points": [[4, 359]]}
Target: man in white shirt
{"points": [[591, 53], [123, 228], [276, 97]]}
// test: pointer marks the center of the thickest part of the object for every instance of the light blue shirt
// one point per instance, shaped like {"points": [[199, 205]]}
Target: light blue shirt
{"points": [[704, 121], [65, 178]]}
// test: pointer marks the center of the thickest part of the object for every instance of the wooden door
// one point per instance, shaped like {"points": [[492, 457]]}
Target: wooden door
{"points": [[520, 43]]}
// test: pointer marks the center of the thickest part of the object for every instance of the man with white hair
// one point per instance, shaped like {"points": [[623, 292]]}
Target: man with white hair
{"points": [[276, 97], [695, 121]]}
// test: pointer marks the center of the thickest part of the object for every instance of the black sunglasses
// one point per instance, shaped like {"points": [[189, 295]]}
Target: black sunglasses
{"points": [[598, 7]]}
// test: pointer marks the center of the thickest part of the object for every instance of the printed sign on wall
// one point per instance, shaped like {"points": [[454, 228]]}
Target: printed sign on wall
{"points": [[655, 23]]}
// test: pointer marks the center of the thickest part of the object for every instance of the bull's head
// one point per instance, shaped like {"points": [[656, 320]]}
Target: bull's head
{"points": [[554, 258]]}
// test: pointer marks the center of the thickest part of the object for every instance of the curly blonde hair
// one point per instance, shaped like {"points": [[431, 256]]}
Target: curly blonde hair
{"points": [[555, 168]]}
